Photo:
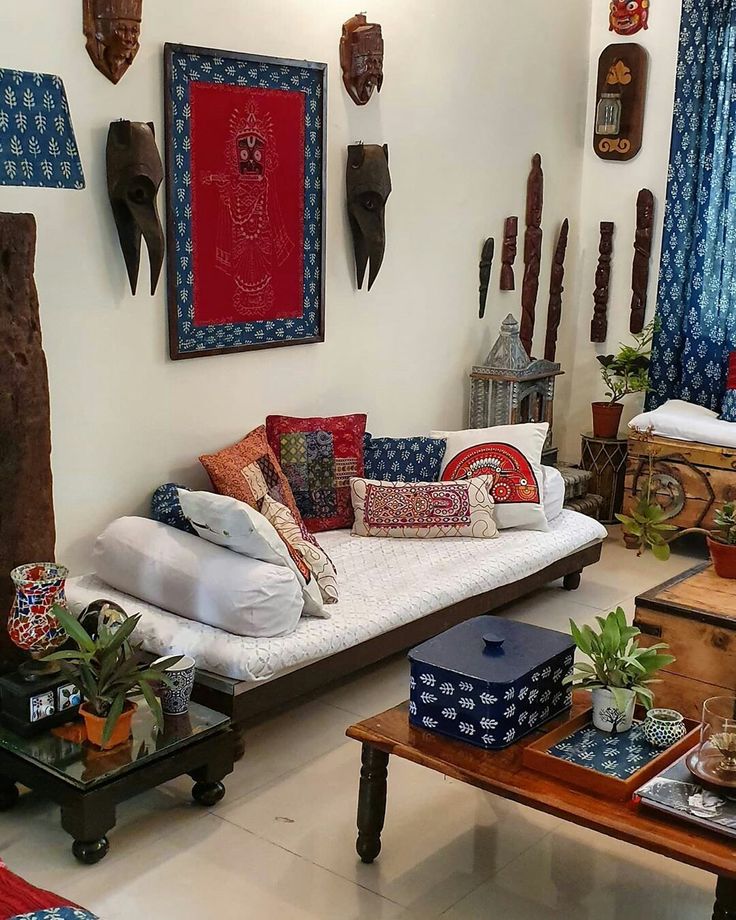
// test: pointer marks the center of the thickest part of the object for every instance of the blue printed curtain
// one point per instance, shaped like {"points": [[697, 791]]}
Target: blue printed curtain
{"points": [[697, 286]]}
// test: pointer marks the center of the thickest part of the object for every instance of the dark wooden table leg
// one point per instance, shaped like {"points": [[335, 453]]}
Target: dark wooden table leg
{"points": [[571, 582], [725, 908], [371, 802], [88, 820], [208, 788]]}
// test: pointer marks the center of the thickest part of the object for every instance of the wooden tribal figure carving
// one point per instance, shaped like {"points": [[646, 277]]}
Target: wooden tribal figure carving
{"points": [[599, 325], [532, 252], [508, 255], [361, 58], [642, 256], [113, 30], [486, 263], [554, 313]]}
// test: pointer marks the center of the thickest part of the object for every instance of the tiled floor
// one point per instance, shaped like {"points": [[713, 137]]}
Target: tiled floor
{"points": [[281, 844]]}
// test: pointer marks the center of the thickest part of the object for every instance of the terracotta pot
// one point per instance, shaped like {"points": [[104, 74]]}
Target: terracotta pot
{"points": [[724, 558], [606, 419], [95, 726]]}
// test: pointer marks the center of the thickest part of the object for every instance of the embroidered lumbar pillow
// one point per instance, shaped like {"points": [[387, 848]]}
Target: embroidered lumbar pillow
{"points": [[512, 456], [318, 457], [249, 470], [403, 459], [303, 546], [237, 526], [423, 510]]}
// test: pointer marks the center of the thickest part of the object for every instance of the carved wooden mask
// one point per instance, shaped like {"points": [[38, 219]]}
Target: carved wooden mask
{"points": [[629, 16], [368, 188], [113, 30], [361, 58], [134, 176]]}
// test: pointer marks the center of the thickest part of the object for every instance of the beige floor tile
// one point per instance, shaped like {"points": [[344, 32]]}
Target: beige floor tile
{"points": [[575, 874], [442, 838], [212, 869], [373, 690]]}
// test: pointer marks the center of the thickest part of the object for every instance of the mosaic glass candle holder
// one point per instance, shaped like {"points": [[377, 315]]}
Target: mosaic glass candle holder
{"points": [[32, 626]]}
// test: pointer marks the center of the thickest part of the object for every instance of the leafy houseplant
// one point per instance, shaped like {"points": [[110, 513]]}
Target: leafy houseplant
{"points": [[623, 374], [619, 672], [108, 670]]}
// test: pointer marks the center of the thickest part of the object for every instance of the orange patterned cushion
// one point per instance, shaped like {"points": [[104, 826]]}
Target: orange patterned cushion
{"points": [[249, 471]]}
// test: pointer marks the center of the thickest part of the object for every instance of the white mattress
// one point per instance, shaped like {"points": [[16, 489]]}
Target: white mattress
{"points": [[384, 583]]}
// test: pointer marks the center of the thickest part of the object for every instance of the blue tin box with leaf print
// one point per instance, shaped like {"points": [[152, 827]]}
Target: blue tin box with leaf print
{"points": [[489, 681]]}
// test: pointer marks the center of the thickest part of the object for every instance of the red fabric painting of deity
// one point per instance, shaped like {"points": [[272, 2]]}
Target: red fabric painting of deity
{"points": [[247, 177], [514, 481]]}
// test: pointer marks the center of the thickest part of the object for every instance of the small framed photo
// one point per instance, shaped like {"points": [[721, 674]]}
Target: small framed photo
{"points": [[246, 164]]}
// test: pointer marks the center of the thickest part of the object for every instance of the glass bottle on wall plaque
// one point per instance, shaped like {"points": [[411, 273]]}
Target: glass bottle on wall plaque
{"points": [[608, 115]]}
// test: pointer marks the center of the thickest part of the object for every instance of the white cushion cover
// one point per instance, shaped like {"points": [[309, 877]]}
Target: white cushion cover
{"points": [[384, 584], [553, 492], [523, 448], [685, 421], [197, 580], [227, 522]]}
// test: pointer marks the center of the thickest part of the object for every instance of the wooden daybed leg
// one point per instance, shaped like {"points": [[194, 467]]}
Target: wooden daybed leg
{"points": [[239, 739], [571, 582]]}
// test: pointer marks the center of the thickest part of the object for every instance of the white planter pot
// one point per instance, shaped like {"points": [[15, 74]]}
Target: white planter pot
{"points": [[606, 714]]}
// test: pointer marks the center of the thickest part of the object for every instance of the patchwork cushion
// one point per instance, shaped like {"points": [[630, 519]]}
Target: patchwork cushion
{"points": [[249, 470], [423, 510], [403, 459], [728, 406], [305, 547], [319, 456], [512, 456], [237, 526], [166, 507]]}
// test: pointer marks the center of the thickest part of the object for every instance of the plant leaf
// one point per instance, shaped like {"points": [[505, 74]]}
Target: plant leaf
{"points": [[116, 710]]}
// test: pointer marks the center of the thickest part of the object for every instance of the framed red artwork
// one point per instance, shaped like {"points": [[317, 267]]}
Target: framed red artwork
{"points": [[246, 194]]}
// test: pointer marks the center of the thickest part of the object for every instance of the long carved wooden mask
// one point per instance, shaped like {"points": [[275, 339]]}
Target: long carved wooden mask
{"points": [[113, 30], [368, 188], [134, 176]]}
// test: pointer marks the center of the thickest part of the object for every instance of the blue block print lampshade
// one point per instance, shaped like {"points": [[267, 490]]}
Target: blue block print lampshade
{"points": [[37, 143]]}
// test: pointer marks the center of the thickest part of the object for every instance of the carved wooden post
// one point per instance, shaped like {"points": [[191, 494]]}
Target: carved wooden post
{"points": [[599, 325], [554, 313], [27, 532], [532, 251], [508, 255], [642, 256], [486, 263]]}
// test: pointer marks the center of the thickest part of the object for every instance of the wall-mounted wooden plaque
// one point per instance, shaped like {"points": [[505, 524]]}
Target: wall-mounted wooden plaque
{"points": [[623, 71]]}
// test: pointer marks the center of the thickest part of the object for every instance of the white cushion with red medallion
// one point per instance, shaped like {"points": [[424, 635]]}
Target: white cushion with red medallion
{"points": [[512, 456]]}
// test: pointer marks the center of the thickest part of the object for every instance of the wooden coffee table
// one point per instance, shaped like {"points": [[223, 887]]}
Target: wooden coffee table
{"points": [[503, 774]]}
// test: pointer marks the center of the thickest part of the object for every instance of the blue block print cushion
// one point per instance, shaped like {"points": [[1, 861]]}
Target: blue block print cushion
{"points": [[403, 459], [166, 508]]}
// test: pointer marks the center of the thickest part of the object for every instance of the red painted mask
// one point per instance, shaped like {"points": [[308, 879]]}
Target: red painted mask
{"points": [[629, 16]]}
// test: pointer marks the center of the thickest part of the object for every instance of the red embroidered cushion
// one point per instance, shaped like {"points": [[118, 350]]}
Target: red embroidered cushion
{"points": [[249, 470], [319, 456], [424, 510]]}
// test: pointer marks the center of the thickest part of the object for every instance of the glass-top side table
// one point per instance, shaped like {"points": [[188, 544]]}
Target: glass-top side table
{"points": [[89, 783]]}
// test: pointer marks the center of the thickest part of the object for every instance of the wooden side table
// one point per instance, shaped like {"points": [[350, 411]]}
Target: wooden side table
{"points": [[606, 458], [88, 783]]}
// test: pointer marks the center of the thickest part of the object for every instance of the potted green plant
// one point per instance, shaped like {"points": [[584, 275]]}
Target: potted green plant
{"points": [[623, 374], [108, 670], [619, 673]]}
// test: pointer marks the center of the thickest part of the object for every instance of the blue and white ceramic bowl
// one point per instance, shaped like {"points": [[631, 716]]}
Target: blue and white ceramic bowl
{"points": [[175, 699], [664, 727]]}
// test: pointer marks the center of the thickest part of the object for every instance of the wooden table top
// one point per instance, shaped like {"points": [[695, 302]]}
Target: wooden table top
{"points": [[502, 773], [697, 593]]}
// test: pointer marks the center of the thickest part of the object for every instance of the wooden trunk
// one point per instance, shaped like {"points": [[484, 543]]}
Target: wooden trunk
{"points": [[695, 614], [691, 480]]}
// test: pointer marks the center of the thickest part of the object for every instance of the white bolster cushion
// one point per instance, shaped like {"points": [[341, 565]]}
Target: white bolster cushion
{"points": [[200, 581]]}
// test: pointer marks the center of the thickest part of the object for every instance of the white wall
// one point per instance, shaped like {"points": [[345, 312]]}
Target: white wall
{"points": [[472, 90], [609, 192]]}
